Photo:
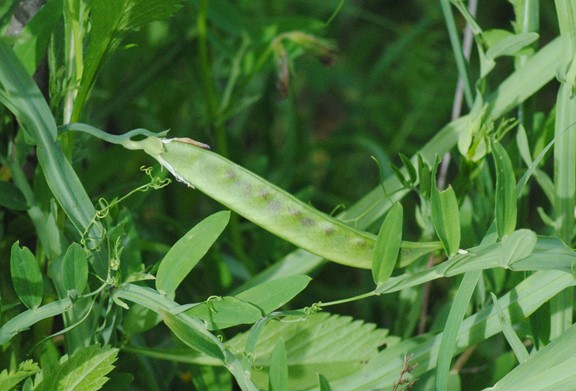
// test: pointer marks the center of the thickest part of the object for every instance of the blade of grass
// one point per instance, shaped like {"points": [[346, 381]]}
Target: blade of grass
{"points": [[452, 326], [22, 96], [513, 340]]}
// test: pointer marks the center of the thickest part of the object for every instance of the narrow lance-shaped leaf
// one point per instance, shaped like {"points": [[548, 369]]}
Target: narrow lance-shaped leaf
{"points": [[26, 276], [505, 191], [75, 268], [27, 318], [194, 334], [270, 295], [188, 251], [513, 340], [510, 45], [388, 245], [446, 218]]}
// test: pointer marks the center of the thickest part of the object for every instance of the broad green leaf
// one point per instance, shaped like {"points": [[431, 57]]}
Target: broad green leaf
{"points": [[221, 312], [9, 380], [85, 370], [26, 276], [511, 45], [321, 343], [11, 197], [446, 218], [513, 340], [188, 251], [75, 269], [27, 318], [270, 295], [505, 203], [278, 379], [194, 334], [388, 244]]}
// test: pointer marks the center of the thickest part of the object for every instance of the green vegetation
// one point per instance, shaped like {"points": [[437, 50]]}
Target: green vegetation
{"points": [[387, 203]]}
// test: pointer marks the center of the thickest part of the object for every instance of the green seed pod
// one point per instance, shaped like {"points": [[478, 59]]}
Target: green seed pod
{"points": [[266, 204]]}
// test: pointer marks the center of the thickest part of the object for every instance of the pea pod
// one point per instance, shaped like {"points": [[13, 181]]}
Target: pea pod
{"points": [[265, 204]]}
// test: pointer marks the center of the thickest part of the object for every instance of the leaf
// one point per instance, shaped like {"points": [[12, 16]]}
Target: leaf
{"points": [[9, 380], [510, 45], [26, 276], [446, 218], [513, 340], [27, 318], [188, 251], [409, 167], [452, 327], [321, 343], [222, 312], [517, 246], [193, 333], [505, 191], [424, 176], [85, 370], [278, 379], [388, 245], [270, 295], [411, 251], [75, 269]]}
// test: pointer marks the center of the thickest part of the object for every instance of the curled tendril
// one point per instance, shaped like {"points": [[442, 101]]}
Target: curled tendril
{"points": [[314, 308], [210, 300], [104, 209], [156, 182]]}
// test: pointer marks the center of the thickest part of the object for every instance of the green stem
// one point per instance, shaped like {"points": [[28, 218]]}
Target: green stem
{"points": [[349, 299]]}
